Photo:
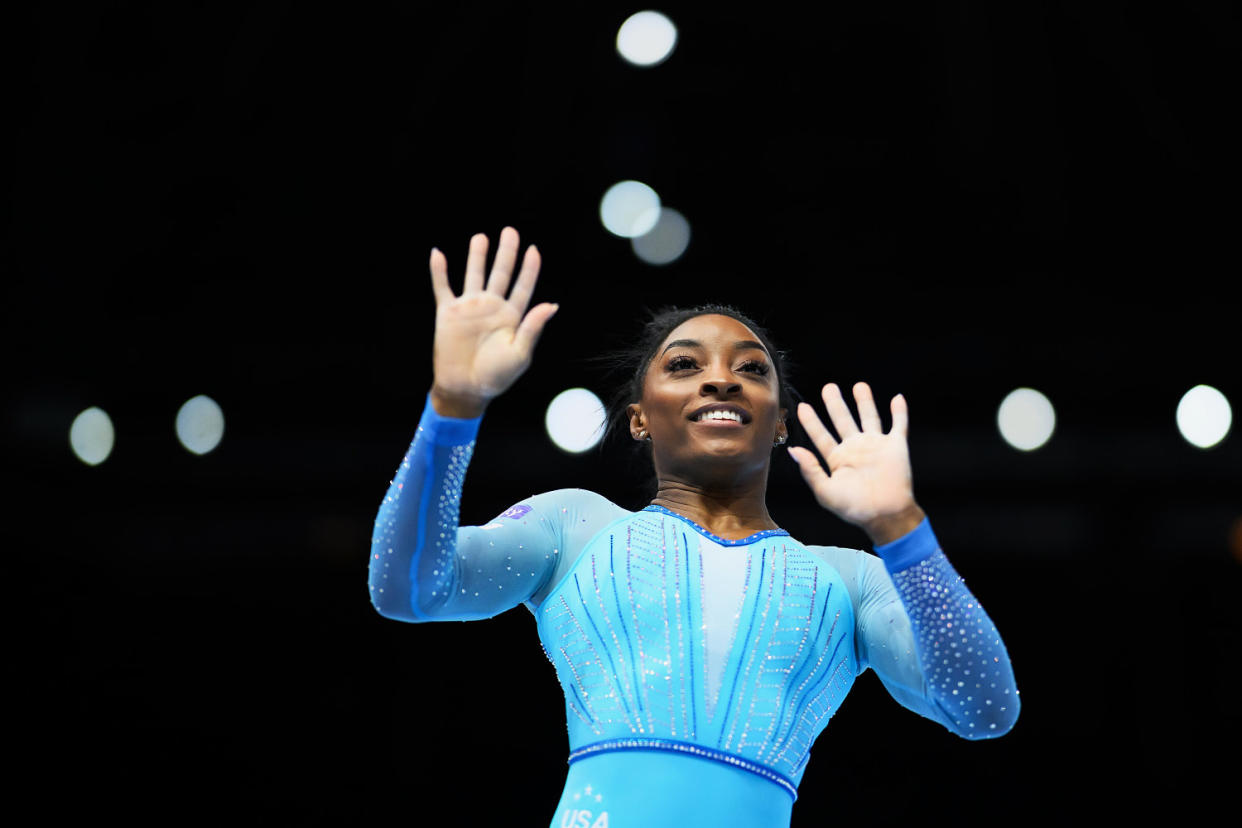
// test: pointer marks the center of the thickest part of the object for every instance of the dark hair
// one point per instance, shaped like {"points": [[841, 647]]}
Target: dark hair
{"points": [[628, 366]]}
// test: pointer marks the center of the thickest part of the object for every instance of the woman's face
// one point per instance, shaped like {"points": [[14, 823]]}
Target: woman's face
{"points": [[711, 363]]}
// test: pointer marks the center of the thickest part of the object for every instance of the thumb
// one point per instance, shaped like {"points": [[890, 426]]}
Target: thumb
{"points": [[531, 327]]}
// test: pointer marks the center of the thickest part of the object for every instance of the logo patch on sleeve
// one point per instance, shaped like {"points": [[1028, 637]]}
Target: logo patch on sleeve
{"points": [[516, 512]]}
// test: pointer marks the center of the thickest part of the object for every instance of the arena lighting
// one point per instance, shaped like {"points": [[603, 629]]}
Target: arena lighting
{"points": [[1026, 419], [200, 424], [666, 241], [91, 436], [1204, 416], [629, 209], [646, 38], [575, 420]]}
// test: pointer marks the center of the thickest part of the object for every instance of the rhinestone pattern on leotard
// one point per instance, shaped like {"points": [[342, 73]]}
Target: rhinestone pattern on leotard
{"points": [[962, 655], [786, 641]]}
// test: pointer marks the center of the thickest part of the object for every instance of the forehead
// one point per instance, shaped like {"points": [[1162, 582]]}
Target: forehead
{"points": [[710, 329]]}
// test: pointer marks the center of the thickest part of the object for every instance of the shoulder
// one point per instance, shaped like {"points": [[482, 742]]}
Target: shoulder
{"points": [[575, 498], [861, 570], [839, 554], [573, 510]]}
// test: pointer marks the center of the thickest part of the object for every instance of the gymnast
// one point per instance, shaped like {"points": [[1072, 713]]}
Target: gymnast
{"points": [[700, 647]]}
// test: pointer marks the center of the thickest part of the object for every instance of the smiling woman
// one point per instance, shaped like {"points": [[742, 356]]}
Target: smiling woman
{"points": [[699, 646], [710, 404]]}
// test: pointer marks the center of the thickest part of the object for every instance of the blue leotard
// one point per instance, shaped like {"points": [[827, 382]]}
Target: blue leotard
{"points": [[697, 671]]}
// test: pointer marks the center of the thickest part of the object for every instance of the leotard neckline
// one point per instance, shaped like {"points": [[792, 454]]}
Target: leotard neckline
{"points": [[757, 536]]}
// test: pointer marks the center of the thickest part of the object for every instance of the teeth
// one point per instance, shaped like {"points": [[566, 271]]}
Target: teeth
{"points": [[720, 415]]}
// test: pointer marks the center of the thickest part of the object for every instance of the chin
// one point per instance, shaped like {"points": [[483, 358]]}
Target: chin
{"points": [[725, 449]]}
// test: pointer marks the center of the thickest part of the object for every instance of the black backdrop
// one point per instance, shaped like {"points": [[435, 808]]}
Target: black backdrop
{"points": [[948, 201]]}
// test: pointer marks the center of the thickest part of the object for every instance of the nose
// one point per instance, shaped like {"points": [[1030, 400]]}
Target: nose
{"points": [[719, 387]]}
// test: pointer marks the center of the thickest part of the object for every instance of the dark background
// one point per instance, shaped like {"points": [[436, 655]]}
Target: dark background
{"points": [[946, 200]]}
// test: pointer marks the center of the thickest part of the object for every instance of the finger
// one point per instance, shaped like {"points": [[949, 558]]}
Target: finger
{"points": [[529, 330], [525, 284], [475, 262], [439, 277], [821, 438], [868, 414], [901, 416], [502, 268], [839, 412]]}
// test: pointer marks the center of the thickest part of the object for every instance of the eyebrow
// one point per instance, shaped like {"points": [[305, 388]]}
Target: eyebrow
{"points": [[694, 343]]}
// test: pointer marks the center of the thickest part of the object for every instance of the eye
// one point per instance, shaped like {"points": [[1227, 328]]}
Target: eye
{"points": [[756, 366], [681, 363]]}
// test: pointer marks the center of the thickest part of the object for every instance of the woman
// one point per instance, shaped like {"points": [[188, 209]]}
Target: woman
{"points": [[700, 647]]}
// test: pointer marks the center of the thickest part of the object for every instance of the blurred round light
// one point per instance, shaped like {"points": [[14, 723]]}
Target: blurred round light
{"points": [[575, 420], [1026, 419], [646, 38], [666, 241], [200, 424], [1203, 416], [629, 209], [91, 436]]}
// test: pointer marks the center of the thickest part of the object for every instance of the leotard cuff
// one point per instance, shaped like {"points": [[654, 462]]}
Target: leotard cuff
{"points": [[447, 431], [917, 545]]}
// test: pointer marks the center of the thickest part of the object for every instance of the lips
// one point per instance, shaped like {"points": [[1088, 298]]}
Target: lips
{"points": [[742, 416]]}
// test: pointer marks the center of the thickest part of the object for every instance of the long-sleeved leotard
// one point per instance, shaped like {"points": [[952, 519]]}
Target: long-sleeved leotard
{"points": [[689, 663]]}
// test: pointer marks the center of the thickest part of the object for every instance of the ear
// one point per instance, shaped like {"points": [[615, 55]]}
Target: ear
{"points": [[782, 430], [638, 423]]}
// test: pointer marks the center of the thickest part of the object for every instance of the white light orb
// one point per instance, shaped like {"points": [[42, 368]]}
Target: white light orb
{"points": [[200, 424], [1204, 416], [575, 420], [666, 241], [91, 436], [1026, 419], [646, 38], [629, 209]]}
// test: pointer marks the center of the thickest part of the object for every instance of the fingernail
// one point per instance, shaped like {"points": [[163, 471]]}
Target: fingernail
{"points": [[791, 453]]}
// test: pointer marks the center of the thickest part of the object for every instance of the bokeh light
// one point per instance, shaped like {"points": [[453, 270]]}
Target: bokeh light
{"points": [[1204, 416], [1026, 419], [575, 420], [200, 424], [629, 209], [91, 436], [646, 38], [666, 241]]}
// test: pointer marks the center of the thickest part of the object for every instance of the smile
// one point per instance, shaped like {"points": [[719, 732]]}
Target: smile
{"points": [[719, 418]]}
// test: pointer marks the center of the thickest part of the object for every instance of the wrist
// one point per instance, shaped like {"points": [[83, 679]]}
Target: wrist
{"points": [[889, 528], [458, 406]]}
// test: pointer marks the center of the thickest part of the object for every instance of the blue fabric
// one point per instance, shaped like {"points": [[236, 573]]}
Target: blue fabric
{"points": [[909, 549], [662, 633]]}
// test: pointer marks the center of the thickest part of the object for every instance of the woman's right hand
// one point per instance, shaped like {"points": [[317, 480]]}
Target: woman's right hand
{"points": [[483, 341]]}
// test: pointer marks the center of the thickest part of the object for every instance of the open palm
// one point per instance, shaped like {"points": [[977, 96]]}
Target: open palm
{"points": [[483, 340], [868, 476]]}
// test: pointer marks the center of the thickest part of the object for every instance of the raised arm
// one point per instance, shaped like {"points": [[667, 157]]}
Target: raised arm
{"points": [[918, 626], [421, 567]]}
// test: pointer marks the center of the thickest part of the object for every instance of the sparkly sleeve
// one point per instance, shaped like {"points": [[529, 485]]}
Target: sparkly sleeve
{"points": [[423, 566], [929, 640]]}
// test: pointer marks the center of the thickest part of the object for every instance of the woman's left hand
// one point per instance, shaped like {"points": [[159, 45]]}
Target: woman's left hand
{"points": [[868, 482]]}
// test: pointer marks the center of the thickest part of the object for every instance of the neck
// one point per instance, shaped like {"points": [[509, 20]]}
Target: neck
{"points": [[731, 510]]}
